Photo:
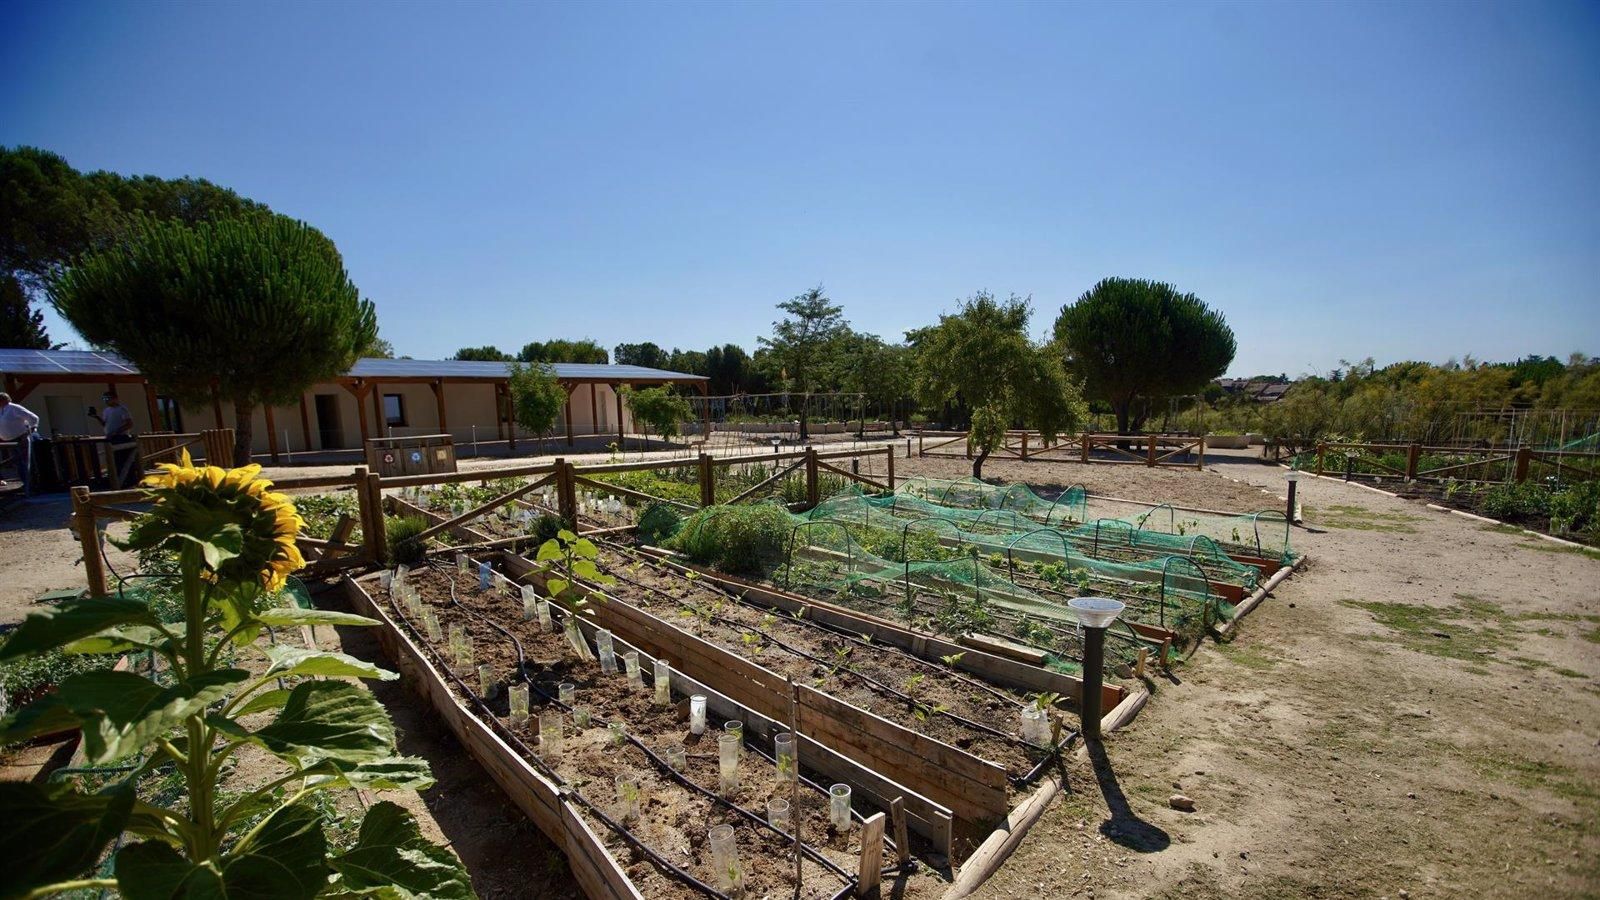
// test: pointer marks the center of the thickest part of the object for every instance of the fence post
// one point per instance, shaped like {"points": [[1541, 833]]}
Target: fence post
{"points": [[888, 456], [1322, 452], [1086, 446], [813, 496], [1150, 452], [708, 484], [1524, 457], [379, 544], [1024, 446], [566, 495], [1413, 453], [364, 507], [919, 446], [1200, 460], [83, 522]]}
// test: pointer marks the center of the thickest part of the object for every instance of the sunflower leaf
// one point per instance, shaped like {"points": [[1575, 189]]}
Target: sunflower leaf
{"points": [[74, 620]]}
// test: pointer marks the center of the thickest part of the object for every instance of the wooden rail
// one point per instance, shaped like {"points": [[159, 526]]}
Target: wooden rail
{"points": [[1155, 450], [1490, 465]]}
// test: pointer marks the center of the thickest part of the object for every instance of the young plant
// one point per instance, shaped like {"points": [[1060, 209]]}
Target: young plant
{"points": [[234, 540], [953, 659], [914, 683]]}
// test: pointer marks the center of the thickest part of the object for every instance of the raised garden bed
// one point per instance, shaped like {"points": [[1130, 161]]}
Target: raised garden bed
{"points": [[662, 849]]}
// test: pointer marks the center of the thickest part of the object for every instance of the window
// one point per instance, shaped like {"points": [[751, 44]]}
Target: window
{"points": [[394, 410], [171, 415]]}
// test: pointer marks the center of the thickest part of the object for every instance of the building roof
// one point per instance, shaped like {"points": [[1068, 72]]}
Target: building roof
{"points": [[42, 364]]}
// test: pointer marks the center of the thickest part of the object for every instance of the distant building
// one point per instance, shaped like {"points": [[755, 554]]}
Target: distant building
{"points": [[1261, 390], [376, 398]]}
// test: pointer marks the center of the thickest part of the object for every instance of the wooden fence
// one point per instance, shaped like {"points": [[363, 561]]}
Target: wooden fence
{"points": [[333, 555], [1155, 450], [1419, 462]]}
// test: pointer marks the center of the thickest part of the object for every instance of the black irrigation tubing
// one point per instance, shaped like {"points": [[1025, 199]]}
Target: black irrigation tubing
{"points": [[655, 759], [620, 830], [831, 629], [840, 667]]}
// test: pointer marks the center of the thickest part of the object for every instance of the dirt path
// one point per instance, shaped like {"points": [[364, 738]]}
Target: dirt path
{"points": [[1416, 714]]}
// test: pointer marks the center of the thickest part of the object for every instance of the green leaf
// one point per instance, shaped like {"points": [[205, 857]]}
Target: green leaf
{"points": [[556, 586], [264, 701], [584, 568], [46, 715], [218, 546], [291, 615], [287, 859], [47, 629], [53, 833], [566, 536], [391, 852], [330, 720], [406, 773], [123, 712], [548, 551], [288, 660], [120, 640], [152, 870], [585, 549]]}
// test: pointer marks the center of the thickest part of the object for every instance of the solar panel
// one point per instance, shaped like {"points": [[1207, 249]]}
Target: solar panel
{"points": [[15, 361]]}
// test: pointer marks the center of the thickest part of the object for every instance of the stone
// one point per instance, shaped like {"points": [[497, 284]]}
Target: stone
{"points": [[1181, 803]]}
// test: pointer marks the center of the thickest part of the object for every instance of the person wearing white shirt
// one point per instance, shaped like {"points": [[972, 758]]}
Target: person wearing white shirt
{"points": [[118, 423], [17, 423]]}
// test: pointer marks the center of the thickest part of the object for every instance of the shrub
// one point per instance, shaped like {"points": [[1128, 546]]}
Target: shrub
{"points": [[1524, 500], [740, 540], [404, 548], [659, 523], [1576, 510], [546, 527]]}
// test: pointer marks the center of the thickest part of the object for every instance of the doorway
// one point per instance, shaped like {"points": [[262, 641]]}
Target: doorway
{"points": [[329, 432]]}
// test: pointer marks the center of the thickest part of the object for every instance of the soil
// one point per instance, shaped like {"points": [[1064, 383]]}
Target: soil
{"points": [[1418, 653], [673, 819], [1417, 710]]}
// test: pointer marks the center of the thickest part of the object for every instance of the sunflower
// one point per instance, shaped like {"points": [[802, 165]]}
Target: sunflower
{"points": [[200, 502]]}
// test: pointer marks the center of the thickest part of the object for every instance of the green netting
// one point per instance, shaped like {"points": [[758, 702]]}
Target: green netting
{"points": [[971, 493], [996, 530], [1264, 534]]}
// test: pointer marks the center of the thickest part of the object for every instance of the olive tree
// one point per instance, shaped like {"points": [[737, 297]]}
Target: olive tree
{"points": [[660, 408], [982, 355], [804, 345], [537, 398], [1134, 340], [254, 310]]}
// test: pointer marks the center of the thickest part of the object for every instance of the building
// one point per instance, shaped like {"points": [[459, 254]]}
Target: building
{"points": [[377, 398]]}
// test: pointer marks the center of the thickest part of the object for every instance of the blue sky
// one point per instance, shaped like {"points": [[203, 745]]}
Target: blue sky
{"points": [[1399, 180]]}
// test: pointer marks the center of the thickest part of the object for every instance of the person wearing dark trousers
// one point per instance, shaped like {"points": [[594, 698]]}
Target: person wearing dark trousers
{"points": [[17, 425], [118, 423]]}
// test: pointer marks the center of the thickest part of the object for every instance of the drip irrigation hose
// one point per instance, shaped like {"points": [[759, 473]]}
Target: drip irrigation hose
{"points": [[660, 764], [835, 667], [656, 760], [662, 863], [830, 629]]}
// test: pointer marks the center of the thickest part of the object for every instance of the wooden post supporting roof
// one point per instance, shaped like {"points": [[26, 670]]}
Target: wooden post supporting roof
{"points": [[622, 440], [151, 407], [272, 432], [569, 387], [438, 402], [305, 420], [378, 418], [594, 408]]}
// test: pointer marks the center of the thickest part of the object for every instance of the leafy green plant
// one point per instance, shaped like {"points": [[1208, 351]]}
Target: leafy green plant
{"points": [[234, 543], [740, 540], [658, 523], [404, 548], [564, 560]]}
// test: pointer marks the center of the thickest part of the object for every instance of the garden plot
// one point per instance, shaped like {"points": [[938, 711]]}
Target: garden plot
{"points": [[912, 736], [631, 766]]}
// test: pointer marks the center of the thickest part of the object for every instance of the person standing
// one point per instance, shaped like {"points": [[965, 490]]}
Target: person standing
{"points": [[18, 423], [118, 423]]}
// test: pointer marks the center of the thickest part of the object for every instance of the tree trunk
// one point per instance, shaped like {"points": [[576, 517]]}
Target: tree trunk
{"points": [[977, 462], [243, 426], [805, 409]]}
